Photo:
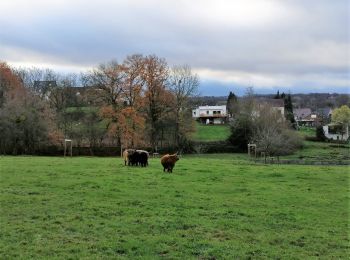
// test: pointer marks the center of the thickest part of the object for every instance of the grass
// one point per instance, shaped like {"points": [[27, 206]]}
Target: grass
{"points": [[320, 151], [212, 206], [211, 132], [307, 131]]}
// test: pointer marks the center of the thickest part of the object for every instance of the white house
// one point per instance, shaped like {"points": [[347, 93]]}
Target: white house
{"points": [[336, 132], [210, 114]]}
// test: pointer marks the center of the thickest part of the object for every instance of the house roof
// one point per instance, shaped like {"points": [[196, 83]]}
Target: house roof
{"points": [[271, 101], [212, 107], [302, 112], [325, 111], [311, 117], [44, 85]]}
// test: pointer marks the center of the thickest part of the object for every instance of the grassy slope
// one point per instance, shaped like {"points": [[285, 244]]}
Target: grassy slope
{"points": [[211, 206], [320, 151], [312, 151], [211, 132]]}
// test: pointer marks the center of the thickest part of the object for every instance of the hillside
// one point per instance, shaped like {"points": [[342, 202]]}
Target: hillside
{"points": [[211, 132]]}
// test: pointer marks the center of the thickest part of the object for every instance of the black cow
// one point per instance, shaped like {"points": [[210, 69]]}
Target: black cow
{"points": [[138, 157]]}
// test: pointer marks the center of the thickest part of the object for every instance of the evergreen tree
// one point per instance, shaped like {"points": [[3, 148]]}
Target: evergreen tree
{"points": [[232, 104], [320, 134], [277, 95], [288, 109]]}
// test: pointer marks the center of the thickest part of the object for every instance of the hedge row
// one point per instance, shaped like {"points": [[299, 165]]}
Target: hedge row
{"points": [[189, 148]]}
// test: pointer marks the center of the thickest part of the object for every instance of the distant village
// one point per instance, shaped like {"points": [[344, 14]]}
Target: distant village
{"points": [[304, 117]]}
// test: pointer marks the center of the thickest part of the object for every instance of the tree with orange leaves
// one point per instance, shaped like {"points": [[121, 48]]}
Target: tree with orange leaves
{"points": [[158, 99], [10, 85], [25, 121], [108, 79], [131, 128]]}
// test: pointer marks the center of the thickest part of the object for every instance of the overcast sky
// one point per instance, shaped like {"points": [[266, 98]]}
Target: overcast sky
{"points": [[291, 45]]}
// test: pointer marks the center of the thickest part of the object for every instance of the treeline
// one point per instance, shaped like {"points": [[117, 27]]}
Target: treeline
{"points": [[313, 101], [141, 102]]}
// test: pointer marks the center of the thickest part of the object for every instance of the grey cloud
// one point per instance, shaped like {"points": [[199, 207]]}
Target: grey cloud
{"points": [[306, 37]]}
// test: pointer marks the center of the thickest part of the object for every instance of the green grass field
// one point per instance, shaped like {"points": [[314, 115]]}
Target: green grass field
{"points": [[211, 132], [211, 207], [320, 151]]}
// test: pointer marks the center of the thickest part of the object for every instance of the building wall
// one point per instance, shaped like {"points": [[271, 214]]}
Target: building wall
{"points": [[280, 109], [203, 111], [343, 137]]}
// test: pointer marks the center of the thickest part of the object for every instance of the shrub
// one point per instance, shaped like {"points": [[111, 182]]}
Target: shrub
{"points": [[241, 132], [320, 136]]}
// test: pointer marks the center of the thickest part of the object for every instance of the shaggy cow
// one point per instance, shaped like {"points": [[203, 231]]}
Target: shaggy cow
{"points": [[143, 159], [135, 157], [168, 161], [143, 151], [126, 155]]}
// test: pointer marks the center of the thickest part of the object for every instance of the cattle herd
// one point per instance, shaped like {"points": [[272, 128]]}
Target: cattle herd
{"points": [[133, 157]]}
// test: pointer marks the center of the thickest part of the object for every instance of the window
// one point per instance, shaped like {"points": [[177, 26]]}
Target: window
{"points": [[207, 112]]}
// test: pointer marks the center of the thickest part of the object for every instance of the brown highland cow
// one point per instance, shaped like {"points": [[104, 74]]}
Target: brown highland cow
{"points": [[168, 161]]}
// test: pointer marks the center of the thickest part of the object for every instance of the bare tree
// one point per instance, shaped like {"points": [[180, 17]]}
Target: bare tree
{"points": [[109, 79], [183, 84], [39, 81], [271, 133], [62, 95]]}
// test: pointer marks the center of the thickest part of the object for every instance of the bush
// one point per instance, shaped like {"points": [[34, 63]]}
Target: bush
{"points": [[312, 138], [215, 147], [320, 134], [292, 142], [241, 132]]}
